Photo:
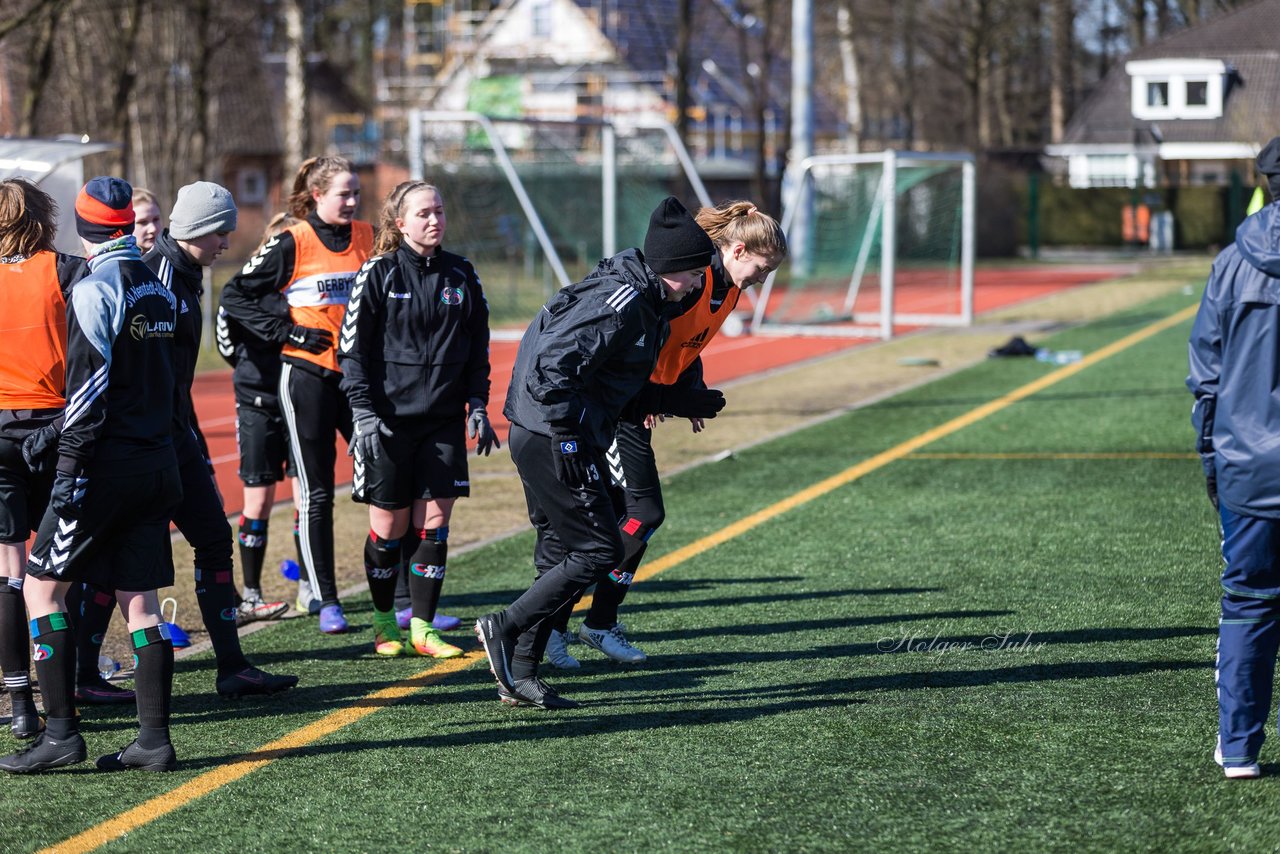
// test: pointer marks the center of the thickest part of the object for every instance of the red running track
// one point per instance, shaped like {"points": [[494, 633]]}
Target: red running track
{"points": [[726, 359]]}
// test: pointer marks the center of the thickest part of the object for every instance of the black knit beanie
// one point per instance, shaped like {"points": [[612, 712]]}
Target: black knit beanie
{"points": [[675, 242], [1269, 165]]}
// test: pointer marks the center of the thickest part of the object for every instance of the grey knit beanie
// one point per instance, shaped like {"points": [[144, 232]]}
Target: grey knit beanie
{"points": [[202, 208]]}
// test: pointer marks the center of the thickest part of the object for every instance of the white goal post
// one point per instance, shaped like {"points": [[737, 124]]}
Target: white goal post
{"points": [[909, 214]]}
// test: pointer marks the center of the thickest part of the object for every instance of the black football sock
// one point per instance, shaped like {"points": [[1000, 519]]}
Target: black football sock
{"points": [[96, 607], [216, 595], [253, 550], [381, 566], [426, 571], [15, 640], [153, 683], [403, 599], [612, 589], [55, 664]]}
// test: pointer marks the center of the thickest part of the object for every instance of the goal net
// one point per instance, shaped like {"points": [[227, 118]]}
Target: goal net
{"points": [[877, 242], [535, 204]]}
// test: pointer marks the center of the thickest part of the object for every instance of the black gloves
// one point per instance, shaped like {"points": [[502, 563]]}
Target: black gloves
{"points": [[655, 399], [364, 437], [38, 447], [479, 428], [311, 339], [67, 499], [696, 403], [1210, 482], [573, 465]]}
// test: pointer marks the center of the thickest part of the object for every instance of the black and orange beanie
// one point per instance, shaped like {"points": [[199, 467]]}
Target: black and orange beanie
{"points": [[104, 209]]}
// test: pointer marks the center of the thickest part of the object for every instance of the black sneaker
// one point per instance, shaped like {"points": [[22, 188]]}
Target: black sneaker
{"points": [[251, 681], [535, 692], [26, 721], [491, 630], [45, 753], [103, 693], [160, 758]]}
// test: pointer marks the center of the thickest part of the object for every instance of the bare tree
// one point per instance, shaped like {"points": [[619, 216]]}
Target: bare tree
{"points": [[39, 63], [1060, 67], [296, 135], [849, 69]]}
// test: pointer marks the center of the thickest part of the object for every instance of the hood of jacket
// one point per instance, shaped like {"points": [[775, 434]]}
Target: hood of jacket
{"points": [[1258, 239]]}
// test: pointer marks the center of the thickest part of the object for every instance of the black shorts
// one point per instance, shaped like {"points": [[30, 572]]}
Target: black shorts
{"points": [[418, 462], [23, 495], [121, 540], [263, 441]]}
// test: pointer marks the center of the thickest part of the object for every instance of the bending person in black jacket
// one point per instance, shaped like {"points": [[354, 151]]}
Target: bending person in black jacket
{"points": [[586, 354], [414, 354], [202, 217]]}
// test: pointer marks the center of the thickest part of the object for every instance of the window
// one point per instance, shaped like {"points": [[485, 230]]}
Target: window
{"points": [[1158, 94], [1177, 88], [540, 19], [251, 187], [1197, 93]]}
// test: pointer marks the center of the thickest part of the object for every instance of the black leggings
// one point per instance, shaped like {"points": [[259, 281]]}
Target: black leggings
{"points": [[314, 408]]}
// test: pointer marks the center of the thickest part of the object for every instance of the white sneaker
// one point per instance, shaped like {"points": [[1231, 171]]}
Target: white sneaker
{"points": [[1237, 772], [557, 653], [253, 608], [306, 603], [613, 643]]}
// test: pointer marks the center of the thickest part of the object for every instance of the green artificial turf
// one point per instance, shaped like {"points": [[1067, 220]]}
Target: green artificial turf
{"points": [[966, 653]]}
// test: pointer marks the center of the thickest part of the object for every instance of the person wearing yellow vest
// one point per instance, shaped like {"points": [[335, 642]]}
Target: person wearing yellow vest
{"points": [[749, 245], [1257, 202], [313, 263], [34, 282]]}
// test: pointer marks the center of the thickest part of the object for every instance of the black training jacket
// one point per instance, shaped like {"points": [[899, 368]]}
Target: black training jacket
{"points": [[120, 368], [185, 278], [255, 361], [589, 350], [415, 338]]}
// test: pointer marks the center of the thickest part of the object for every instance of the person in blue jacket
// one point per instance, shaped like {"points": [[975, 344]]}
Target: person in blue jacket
{"points": [[1234, 359]]}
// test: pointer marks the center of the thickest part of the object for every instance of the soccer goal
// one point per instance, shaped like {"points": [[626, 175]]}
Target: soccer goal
{"points": [[536, 203], [878, 241]]}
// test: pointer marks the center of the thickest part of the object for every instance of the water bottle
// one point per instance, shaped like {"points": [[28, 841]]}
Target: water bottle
{"points": [[1058, 357], [108, 666], [290, 569]]}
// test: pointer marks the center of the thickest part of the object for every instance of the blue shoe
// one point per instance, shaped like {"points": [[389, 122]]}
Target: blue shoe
{"points": [[441, 622], [332, 621], [445, 623]]}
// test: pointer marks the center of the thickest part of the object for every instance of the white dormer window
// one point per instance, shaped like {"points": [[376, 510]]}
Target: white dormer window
{"points": [[540, 18], [1177, 88]]}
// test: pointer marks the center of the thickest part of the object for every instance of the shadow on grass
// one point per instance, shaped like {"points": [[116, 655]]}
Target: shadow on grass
{"points": [[497, 725]]}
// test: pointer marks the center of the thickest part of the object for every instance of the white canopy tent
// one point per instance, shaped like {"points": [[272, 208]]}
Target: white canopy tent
{"points": [[56, 165]]}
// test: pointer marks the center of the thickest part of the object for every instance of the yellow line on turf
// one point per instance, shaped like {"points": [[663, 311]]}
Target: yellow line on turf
{"points": [[235, 769], [1063, 455]]}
